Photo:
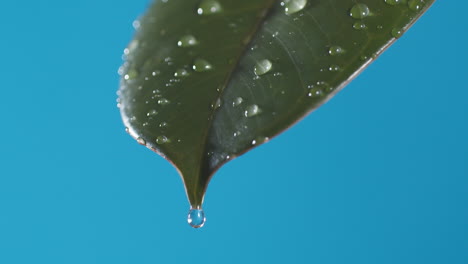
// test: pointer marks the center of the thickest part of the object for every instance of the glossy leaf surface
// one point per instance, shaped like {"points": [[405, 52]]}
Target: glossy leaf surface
{"points": [[205, 81]]}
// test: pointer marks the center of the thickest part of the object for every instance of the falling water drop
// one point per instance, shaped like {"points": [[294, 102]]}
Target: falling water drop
{"points": [[196, 218]]}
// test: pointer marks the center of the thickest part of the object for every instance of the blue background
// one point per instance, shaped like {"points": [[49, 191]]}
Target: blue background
{"points": [[377, 175]]}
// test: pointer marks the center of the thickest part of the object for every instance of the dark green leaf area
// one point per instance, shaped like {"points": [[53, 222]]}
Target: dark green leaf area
{"points": [[205, 81]]}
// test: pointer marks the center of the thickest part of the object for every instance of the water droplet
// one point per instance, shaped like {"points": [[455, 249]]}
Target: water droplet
{"points": [[334, 68], [141, 141], [131, 74], [238, 101], [252, 110], [315, 92], [152, 113], [131, 47], [260, 140], [217, 104], [163, 124], [163, 101], [393, 2], [201, 65], [196, 218], [359, 11], [359, 25], [187, 41], [208, 7], [335, 50], [293, 6], [262, 67], [396, 32], [415, 5], [136, 24], [162, 140], [181, 73]]}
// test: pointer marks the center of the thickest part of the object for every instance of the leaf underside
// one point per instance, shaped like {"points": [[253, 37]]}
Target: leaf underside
{"points": [[205, 81]]}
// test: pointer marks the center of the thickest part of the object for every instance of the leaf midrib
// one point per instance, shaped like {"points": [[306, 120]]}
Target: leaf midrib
{"points": [[266, 12]]}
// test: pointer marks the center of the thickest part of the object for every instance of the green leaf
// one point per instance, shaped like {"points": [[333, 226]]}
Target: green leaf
{"points": [[205, 81]]}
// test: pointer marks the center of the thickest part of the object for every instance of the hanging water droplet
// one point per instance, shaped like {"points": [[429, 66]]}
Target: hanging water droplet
{"points": [[141, 141], [396, 32], [187, 41], [201, 65], [393, 2], [335, 50], [196, 218], [415, 5], [163, 124], [181, 73], [252, 110], [359, 25], [163, 101], [208, 7], [162, 140], [359, 11], [262, 67], [238, 101], [293, 6]]}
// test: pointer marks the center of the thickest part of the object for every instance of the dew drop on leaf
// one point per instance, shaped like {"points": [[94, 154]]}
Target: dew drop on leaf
{"points": [[163, 101], [359, 11], [181, 73], [262, 67], [293, 6], [141, 141], [238, 101], [208, 7], [359, 25], [201, 65], [335, 50], [396, 32], [162, 140], [252, 110], [187, 41], [392, 2]]}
